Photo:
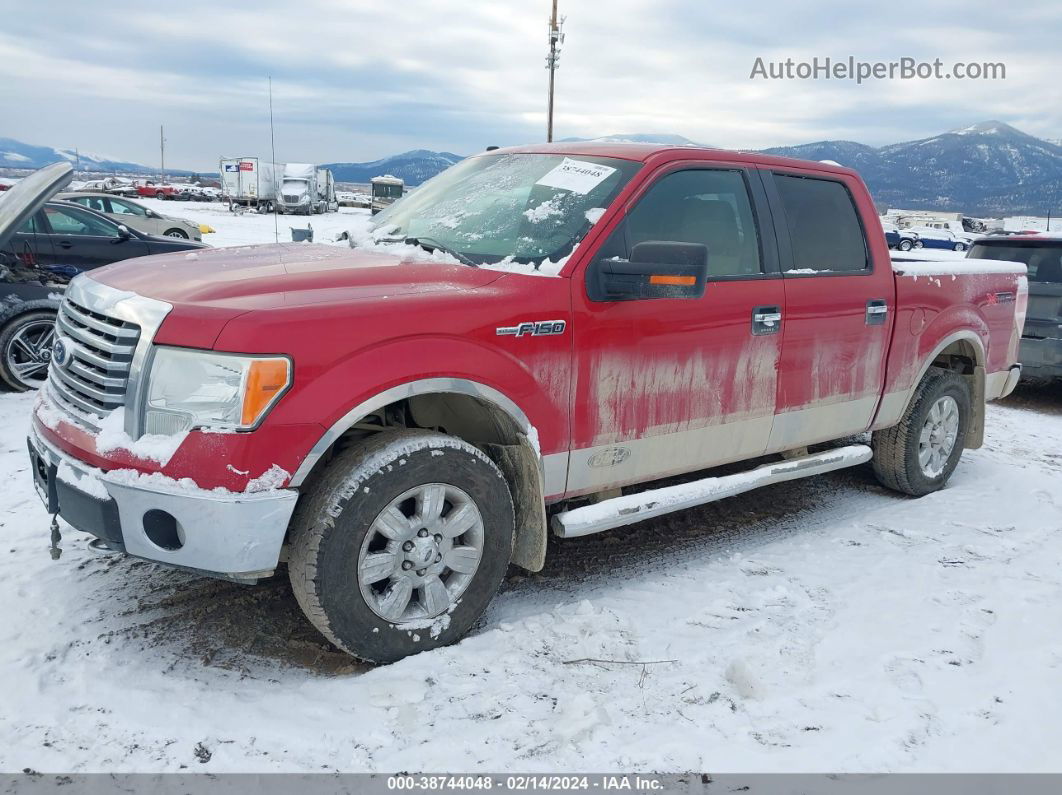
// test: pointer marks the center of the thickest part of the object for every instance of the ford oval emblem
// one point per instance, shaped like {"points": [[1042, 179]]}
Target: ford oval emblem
{"points": [[61, 352], [609, 457]]}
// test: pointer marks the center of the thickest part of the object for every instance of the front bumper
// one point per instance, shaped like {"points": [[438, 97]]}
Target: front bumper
{"points": [[226, 534], [1041, 357]]}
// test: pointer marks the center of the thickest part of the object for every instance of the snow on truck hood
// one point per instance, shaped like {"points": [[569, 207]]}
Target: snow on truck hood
{"points": [[284, 275]]}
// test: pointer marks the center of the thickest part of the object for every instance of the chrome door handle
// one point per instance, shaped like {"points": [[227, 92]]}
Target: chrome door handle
{"points": [[877, 311], [766, 320]]}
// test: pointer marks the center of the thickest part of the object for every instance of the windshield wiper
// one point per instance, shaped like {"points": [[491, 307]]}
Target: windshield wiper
{"points": [[431, 244]]}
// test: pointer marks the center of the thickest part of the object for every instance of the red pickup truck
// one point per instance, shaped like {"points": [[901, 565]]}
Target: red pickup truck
{"points": [[150, 190], [528, 340]]}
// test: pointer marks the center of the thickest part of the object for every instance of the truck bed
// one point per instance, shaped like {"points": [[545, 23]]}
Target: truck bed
{"points": [[938, 300]]}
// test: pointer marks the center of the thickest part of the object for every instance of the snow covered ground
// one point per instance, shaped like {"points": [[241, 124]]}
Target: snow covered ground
{"points": [[819, 625], [251, 228]]}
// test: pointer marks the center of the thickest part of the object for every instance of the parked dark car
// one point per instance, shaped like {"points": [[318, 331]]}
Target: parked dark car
{"points": [[67, 239], [29, 300], [904, 241], [1041, 341], [29, 297]]}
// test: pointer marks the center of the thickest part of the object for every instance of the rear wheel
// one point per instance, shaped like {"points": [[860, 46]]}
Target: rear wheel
{"points": [[960, 247], [401, 544], [26, 350], [918, 455]]}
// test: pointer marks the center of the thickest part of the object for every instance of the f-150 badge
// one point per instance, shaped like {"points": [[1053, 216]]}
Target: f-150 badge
{"points": [[538, 328]]}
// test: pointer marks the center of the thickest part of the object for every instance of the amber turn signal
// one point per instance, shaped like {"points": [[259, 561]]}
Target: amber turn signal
{"points": [[673, 281], [266, 379]]}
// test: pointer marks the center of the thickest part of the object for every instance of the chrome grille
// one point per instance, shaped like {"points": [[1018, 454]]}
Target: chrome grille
{"points": [[289, 199], [93, 381]]}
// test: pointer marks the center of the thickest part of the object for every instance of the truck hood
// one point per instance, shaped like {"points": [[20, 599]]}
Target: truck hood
{"points": [[249, 278], [29, 195]]}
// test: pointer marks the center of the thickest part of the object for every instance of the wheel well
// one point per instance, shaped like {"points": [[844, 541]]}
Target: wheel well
{"points": [[961, 356], [478, 422], [965, 358]]}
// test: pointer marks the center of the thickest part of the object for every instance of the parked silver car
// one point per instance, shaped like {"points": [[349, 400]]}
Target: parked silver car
{"points": [[135, 216]]}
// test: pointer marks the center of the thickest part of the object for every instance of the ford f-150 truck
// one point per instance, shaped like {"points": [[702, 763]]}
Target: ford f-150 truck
{"points": [[527, 341]]}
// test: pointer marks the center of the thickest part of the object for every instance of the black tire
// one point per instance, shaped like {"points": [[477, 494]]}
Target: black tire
{"points": [[160, 195], [896, 449], [960, 247], [905, 245], [176, 233], [336, 515], [919, 244], [24, 324]]}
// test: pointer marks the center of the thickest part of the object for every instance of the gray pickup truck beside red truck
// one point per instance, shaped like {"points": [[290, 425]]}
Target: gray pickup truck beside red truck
{"points": [[526, 342]]}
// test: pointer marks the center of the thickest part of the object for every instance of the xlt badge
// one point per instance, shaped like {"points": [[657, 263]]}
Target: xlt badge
{"points": [[537, 328]]}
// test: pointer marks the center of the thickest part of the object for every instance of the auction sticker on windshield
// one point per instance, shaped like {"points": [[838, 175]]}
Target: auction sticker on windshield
{"points": [[578, 176]]}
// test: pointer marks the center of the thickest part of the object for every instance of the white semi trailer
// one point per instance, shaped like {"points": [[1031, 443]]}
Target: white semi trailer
{"points": [[250, 182], [326, 190]]}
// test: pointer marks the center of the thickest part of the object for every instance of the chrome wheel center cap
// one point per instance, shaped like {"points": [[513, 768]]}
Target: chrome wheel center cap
{"points": [[424, 551]]}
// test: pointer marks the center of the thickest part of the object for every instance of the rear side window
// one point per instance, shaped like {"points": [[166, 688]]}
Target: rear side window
{"points": [[71, 221], [32, 226], [92, 202], [823, 225]]}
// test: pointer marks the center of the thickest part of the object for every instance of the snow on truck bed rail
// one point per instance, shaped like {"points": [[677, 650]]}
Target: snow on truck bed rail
{"points": [[906, 264]]}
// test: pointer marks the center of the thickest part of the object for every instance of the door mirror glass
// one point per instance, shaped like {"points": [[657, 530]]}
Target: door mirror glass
{"points": [[656, 269]]}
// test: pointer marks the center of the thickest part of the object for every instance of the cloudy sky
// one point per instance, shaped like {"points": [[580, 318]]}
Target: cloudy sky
{"points": [[357, 80]]}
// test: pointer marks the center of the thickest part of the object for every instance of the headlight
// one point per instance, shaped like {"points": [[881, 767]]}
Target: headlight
{"points": [[191, 388]]}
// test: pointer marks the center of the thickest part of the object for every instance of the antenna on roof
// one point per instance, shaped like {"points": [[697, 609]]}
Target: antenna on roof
{"points": [[273, 159], [556, 38]]}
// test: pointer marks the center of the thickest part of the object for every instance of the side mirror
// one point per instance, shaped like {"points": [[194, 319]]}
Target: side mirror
{"points": [[656, 269], [123, 234]]}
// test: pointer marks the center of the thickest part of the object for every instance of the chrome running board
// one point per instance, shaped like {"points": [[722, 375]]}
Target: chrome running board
{"points": [[631, 508]]}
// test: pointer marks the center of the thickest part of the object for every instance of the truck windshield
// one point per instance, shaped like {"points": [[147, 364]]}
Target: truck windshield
{"points": [[519, 208]]}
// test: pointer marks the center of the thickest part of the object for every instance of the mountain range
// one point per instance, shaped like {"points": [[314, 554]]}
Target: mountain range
{"points": [[412, 167], [16, 154], [986, 169]]}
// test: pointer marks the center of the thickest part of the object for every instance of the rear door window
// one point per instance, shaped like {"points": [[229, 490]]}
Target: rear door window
{"points": [[72, 221], [824, 226]]}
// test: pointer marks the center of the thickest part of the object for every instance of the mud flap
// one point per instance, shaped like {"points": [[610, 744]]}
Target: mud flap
{"points": [[975, 433], [520, 465]]}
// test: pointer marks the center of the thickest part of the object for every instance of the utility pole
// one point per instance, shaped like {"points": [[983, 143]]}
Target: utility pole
{"points": [[162, 154], [556, 38]]}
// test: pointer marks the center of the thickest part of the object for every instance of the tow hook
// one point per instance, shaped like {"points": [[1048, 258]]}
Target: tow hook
{"points": [[55, 551]]}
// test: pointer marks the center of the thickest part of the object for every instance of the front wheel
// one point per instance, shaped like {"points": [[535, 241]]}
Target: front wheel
{"points": [[905, 245], [26, 350], [176, 233], [401, 544], [918, 455]]}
